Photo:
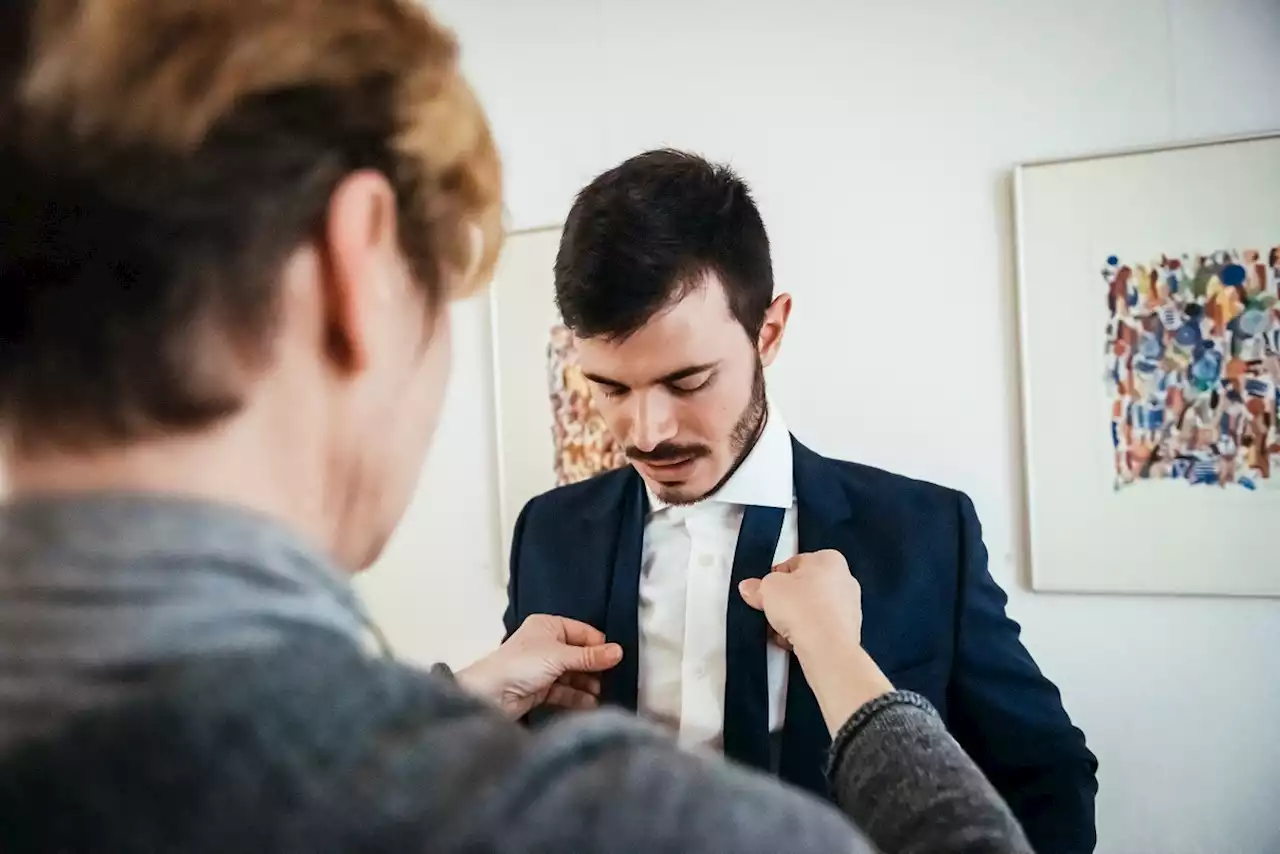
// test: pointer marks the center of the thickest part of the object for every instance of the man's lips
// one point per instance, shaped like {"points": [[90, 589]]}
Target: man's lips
{"points": [[668, 470], [662, 464]]}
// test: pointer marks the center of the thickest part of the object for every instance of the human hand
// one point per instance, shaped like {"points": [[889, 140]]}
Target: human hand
{"points": [[547, 660], [813, 596], [814, 604]]}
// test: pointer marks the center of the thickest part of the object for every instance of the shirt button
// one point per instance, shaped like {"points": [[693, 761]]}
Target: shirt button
{"points": [[706, 560]]}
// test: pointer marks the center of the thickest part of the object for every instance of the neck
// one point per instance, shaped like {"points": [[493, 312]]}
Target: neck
{"points": [[229, 464]]}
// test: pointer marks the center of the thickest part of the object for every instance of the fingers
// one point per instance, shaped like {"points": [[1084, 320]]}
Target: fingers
{"points": [[752, 589], [577, 633], [582, 682], [566, 697], [789, 565], [751, 594], [592, 659], [575, 691], [571, 645]]}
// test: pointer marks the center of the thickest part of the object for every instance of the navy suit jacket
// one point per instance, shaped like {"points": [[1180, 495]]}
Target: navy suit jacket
{"points": [[933, 619]]}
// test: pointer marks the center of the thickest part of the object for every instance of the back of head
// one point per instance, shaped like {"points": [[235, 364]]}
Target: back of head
{"points": [[160, 161]]}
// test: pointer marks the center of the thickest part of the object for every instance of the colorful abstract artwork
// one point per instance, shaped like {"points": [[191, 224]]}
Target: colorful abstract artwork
{"points": [[1193, 349], [583, 445]]}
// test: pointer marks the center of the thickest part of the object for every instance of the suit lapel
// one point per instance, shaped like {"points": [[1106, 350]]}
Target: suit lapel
{"points": [[620, 685], [822, 515], [613, 536]]}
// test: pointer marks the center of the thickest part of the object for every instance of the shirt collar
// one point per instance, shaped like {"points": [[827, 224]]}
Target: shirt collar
{"points": [[765, 478]]}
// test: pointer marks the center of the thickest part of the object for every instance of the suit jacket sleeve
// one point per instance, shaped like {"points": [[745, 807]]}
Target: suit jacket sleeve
{"points": [[1010, 717], [512, 617]]}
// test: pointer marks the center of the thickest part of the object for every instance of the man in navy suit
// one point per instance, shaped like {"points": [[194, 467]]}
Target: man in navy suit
{"points": [[665, 278]]}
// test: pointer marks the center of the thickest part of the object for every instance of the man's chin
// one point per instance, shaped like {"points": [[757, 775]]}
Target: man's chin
{"points": [[691, 485], [678, 498], [678, 494]]}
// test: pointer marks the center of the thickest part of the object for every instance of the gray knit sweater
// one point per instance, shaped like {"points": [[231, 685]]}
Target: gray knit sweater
{"points": [[178, 677]]}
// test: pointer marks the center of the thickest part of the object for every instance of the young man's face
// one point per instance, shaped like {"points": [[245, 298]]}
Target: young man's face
{"points": [[684, 395]]}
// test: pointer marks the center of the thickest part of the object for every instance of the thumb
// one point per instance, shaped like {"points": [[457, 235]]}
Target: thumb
{"points": [[750, 591], [591, 659]]}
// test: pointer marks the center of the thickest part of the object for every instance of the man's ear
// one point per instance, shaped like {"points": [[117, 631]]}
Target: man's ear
{"points": [[360, 264], [774, 328]]}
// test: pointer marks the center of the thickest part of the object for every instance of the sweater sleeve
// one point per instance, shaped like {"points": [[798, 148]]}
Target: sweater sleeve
{"points": [[903, 779], [898, 775], [605, 781]]}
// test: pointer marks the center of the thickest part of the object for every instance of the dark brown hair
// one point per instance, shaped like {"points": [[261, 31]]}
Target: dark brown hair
{"points": [[159, 161], [647, 232]]}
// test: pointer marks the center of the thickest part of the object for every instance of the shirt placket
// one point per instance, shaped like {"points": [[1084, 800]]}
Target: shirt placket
{"points": [[702, 668]]}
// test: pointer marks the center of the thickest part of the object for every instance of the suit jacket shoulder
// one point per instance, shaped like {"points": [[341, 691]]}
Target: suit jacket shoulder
{"points": [[868, 483], [883, 507], [581, 499]]}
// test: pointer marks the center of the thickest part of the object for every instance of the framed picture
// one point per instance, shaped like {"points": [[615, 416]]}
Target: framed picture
{"points": [[549, 431], [1149, 299]]}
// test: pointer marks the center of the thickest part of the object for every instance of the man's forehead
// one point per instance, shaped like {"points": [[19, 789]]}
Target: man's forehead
{"points": [[672, 340]]}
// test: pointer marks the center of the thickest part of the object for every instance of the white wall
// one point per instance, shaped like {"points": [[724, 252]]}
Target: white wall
{"points": [[879, 138]]}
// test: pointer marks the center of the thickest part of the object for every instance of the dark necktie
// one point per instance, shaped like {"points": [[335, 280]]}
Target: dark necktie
{"points": [[746, 686]]}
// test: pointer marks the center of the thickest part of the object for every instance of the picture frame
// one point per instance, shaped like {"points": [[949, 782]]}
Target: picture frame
{"points": [[1149, 320]]}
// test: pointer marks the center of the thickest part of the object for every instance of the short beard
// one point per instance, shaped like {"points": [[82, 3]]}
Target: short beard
{"points": [[746, 432]]}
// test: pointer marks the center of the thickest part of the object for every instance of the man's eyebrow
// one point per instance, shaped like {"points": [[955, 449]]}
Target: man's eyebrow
{"points": [[602, 380], [685, 373], [673, 377]]}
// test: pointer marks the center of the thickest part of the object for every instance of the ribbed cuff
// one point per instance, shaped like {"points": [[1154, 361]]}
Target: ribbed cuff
{"points": [[859, 720]]}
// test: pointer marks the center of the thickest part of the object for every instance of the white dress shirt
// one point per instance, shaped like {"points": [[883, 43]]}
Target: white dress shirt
{"points": [[685, 572]]}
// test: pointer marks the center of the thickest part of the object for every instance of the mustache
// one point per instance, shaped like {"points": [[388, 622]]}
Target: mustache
{"points": [[667, 452]]}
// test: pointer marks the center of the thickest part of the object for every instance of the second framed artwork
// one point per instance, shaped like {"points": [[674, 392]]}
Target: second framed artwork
{"points": [[1149, 292]]}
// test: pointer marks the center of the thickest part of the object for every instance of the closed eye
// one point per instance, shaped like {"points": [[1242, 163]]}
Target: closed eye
{"points": [[612, 391], [691, 385], [609, 388]]}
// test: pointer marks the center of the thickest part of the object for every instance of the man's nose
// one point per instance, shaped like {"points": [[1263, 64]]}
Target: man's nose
{"points": [[653, 421]]}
